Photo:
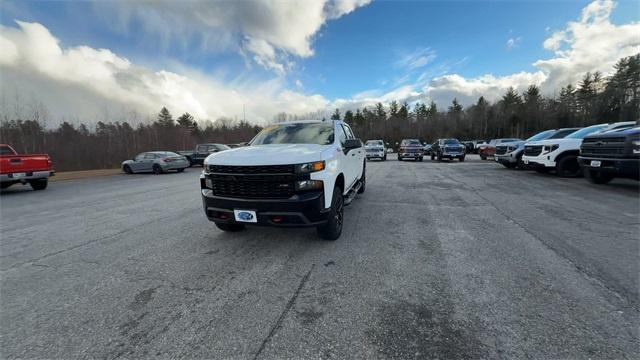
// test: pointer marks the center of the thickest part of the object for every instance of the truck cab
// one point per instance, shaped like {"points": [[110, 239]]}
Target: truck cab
{"points": [[292, 174], [197, 156]]}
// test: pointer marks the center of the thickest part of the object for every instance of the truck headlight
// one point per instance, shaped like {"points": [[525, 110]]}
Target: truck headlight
{"points": [[635, 146], [309, 185], [550, 148], [310, 167]]}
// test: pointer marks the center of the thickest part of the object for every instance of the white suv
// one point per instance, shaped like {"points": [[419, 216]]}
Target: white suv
{"points": [[562, 154], [292, 174]]}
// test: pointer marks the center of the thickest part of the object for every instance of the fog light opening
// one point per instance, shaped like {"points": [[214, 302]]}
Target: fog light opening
{"points": [[277, 219]]}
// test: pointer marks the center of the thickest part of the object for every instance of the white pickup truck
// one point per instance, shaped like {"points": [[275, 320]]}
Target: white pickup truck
{"points": [[292, 174], [562, 154]]}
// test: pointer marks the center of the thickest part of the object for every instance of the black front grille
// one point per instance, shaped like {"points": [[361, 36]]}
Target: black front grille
{"points": [[501, 150], [259, 169], [532, 150], [453, 149], [253, 182], [253, 187], [603, 147]]}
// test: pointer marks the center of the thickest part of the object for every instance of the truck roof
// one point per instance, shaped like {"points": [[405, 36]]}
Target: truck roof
{"points": [[306, 122]]}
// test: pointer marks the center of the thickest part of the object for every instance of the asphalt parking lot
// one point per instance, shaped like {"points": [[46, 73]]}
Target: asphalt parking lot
{"points": [[436, 260]]}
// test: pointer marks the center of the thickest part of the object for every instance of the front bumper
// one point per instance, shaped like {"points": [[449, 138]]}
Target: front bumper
{"points": [[508, 158], [539, 161], [452, 155], [627, 168], [375, 155], [30, 175], [300, 210], [410, 155]]}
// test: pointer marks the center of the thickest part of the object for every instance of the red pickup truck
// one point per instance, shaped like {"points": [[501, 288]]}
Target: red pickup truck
{"points": [[33, 169]]}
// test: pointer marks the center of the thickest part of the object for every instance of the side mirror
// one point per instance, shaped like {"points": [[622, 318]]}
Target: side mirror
{"points": [[351, 144]]}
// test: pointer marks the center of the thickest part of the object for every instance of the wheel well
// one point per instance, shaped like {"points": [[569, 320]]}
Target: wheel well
{"points": [[567, 153], [340, 182]]}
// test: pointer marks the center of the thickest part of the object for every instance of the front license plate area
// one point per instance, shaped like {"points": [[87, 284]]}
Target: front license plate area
{"points": [[19, 175], [595, 163], [248, 216]]}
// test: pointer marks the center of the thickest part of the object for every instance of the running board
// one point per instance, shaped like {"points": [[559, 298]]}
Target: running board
{"points": [[352, 193]]}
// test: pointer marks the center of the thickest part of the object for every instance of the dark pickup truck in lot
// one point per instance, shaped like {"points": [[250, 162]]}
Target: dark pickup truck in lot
{"points": [[606, 156], [197, 156]]}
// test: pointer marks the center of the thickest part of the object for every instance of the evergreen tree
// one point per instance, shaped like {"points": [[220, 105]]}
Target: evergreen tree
{"points": [[348, 117], [164, 118], [336, 115]]}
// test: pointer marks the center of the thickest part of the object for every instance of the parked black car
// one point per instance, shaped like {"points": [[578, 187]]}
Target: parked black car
{"points": [[447, 149], [197, 156], [611, 154]]}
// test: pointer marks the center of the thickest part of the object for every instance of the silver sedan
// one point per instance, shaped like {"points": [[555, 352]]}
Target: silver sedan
{"points": [[156, 162]]}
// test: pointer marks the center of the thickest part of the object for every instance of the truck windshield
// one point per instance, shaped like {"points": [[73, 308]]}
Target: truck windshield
{"points": [[451, 142], [411, 143], [374, 143], [580, 134], [541, 136], [296, 133]]}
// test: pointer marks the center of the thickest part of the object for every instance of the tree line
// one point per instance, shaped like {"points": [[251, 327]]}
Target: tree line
{"points": [[108, 144], [593, 100]]}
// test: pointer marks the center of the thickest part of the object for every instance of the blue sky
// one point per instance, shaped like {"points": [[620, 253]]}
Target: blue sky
{"points": [[372, 48]]}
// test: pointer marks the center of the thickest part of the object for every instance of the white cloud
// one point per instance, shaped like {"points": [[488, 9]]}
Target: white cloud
{"points": [[513, 42], [592, 43], [270, 30], [417, 59], [82, 81]]}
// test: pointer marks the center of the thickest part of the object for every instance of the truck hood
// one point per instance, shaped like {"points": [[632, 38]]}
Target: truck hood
{"points": [[275, 154], [562, 142]]}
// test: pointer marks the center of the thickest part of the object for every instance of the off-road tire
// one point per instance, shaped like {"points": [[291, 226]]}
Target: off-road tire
{"points": [[39, 184], [461, 159], [332, 229], [483, 157], [598, 177], [230, 227], [568, 167]]}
